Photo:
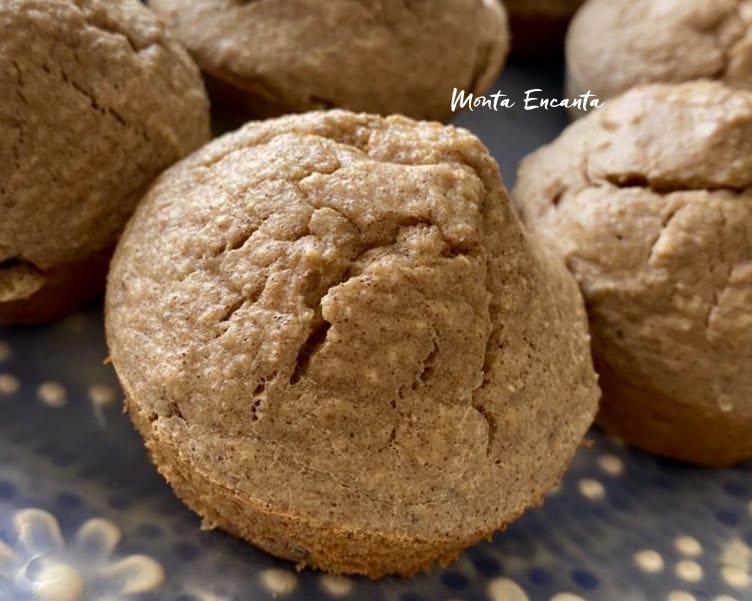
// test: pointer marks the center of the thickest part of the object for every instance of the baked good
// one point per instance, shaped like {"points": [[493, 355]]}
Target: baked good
{"points": [[539, 26], [648, 200], [614, 45], [338, 343], [95, 102], [377, 56]]}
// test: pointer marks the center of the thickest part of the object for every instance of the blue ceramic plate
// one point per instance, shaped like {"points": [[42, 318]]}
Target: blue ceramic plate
{"points": [[84, 516]]}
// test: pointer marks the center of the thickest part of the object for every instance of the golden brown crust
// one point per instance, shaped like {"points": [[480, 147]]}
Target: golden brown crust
{"points": [[670, 427], [63, 290], [377, 56]]}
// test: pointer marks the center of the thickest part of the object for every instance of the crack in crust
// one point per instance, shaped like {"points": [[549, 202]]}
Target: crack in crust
{"points": [[662, 186], [318, 331], [320, 327], [98, 19]]}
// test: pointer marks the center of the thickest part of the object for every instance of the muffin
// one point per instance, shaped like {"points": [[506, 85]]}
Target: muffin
{"points": [[96, 102], [385, 56], [648, 200], [339, 344], [614, 45], [539, 26]]}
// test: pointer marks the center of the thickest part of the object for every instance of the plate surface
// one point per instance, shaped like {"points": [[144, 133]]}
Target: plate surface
{"points": [[85, 517]]}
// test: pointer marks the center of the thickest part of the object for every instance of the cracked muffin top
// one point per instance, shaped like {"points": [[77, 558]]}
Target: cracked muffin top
{"points": [[346, 307], [649, 202], [377, 56], [95, 102], [613, 45]]}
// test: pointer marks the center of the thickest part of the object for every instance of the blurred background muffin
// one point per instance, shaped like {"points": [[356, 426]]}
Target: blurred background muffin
{"points": [[271, 57], [649, 201], [96, 101], [614, 45]]}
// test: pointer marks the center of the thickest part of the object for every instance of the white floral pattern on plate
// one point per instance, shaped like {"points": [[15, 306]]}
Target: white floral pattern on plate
{"points": [[40, 562]]}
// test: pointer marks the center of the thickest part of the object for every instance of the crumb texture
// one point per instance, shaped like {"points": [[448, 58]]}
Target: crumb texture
{"points": [[377, 56], [95, 102], [649, 202], [336, 320], [614, 45]]}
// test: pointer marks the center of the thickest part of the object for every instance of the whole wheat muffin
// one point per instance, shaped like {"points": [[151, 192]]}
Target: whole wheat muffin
{"points": [[95, 102], [539, 26], [271, 57], [339, 344], [614, 45], [648, 200]]}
